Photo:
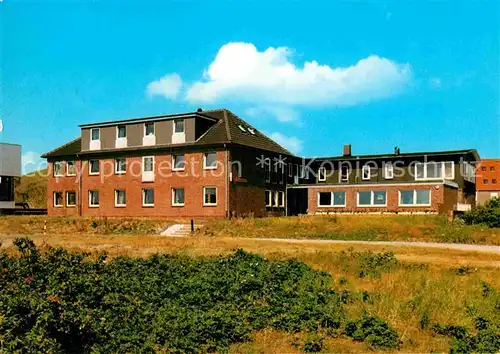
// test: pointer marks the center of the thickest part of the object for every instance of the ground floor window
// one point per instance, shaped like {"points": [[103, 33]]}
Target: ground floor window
{"points": [[178, 196], [120, 198], [328, 199], [415, 197], [148, 197], [93, 199], [70, 199], [268, 198], [372, 198], [210, 196], [281, 199], [58, 199], [275, 199]]}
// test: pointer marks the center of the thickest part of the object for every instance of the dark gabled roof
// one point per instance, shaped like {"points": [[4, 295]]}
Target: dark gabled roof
{"points": [[69, 149], [473, 152], [225, 130]]}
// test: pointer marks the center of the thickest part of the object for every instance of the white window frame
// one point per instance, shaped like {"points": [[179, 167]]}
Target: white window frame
{"points": [[174, 162], [183, 126], [205, 167], [144, 164], [173, 196], [414, 198], [270, 204], [443, 172], [372, 200], [290, 169], [67, 168], [61, 169], [341, 180], [389, 171], [116, 166], [322, 174], [204, 194], [275, 199], [332, 198], [143, 193], [90, 198], [118, 131], [67, 199], [267, 169], [116, 198], [366, 168], [90, 168], [54, 200], [282, 199], [145, 128], [99, 133]]}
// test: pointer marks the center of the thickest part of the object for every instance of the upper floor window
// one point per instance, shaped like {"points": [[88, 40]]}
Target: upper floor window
{"points": [[492, 168], [322, 174], [366, 172], [483, 168], [485, 181], [344, 174], [178, 125], [148, 163], [210, 160], [290, 169], [121, 131], [149, 129], [120, 166], [389, 171], [178, 162], [93, 167], [70, 168], [434, 170], [95, 134], [58, 169], [494, 181]]}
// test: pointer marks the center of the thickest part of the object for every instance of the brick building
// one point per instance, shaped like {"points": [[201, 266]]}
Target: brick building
{"points": [[214, 164], [487, 180]]}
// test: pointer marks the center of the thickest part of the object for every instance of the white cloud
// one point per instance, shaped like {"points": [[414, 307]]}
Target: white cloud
{"points": [[281, 113], [239, 71], [31, 161], [168, 86], [291, 143]]}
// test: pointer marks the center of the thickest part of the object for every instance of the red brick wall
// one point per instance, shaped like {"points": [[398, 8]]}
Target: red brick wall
{"points": [[392, 198], [247, 200], [192, 179]]}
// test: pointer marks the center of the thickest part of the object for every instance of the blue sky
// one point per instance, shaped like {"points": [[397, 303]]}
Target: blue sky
{"points": [[376, 74]]}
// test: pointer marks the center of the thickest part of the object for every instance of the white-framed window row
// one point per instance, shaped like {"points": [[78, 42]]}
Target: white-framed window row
{"points": [[372, 199], [58, 199], [209, 196], [58, 168], [414, 197], [94, 167], [177, 196], [148, 197], [94, 199], [434, 170], [70, 168], [120, 166], [366, 173], [332, 199], [71, 199], [210, 161], [120, 198], [322, 174], [389, 171], [178, 162]]}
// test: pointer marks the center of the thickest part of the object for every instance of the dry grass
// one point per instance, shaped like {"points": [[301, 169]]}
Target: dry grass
{"points": [[356, 227]]}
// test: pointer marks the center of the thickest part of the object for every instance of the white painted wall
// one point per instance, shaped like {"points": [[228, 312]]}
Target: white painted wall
{"points": [[10, 160]]}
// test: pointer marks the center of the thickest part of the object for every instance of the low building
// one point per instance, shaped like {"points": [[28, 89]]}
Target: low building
{"points": [[487, 180], [214, 164], [10, 168]]}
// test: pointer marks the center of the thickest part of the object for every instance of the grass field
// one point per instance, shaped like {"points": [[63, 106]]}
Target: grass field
{"points": [[422, 288]]}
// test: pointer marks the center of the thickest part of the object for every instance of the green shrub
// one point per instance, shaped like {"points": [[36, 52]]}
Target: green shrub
{"points": [[368, 264], [313, 343], [487, 214], [374, 331]]}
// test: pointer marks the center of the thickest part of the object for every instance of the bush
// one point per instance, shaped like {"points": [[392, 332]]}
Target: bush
{"points": [[374, 331], [368, 264], [487, 214]]}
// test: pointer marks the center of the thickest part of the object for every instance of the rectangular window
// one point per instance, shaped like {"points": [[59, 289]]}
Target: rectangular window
{"points": [[296, 170], [148, 163], [58, 169], [483, 168], [178, 196], [485, 181], [93, 199], [338, 198], [281, 171], [449, 170], [372, 198], [281, 198], [210, 196], [149, 129], [121, 131], [494, 181], [148, 197], [93, 167], [344, 174], [58, 199], [178, 125], [290, 169], [322, 174], [210, 161], [70, 168], [434, 170], [331, 199], [366, 172], [120, 198], [302, 171], [178, 163], [492, 168], [267, 167], [120, 166], [275, 198], [268, 198], [70, 199], [389, 171], [95, 134], [415, 197]]}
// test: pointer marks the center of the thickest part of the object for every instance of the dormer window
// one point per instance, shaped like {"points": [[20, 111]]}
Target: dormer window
{"points": [[178, 126], [242, 128], [122, 131], [95, 134], [251, 130], [149, 129]]}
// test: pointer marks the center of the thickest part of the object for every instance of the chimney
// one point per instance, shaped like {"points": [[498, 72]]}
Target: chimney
{"points": [[396, 151], [199, 110], [347, 150]]}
